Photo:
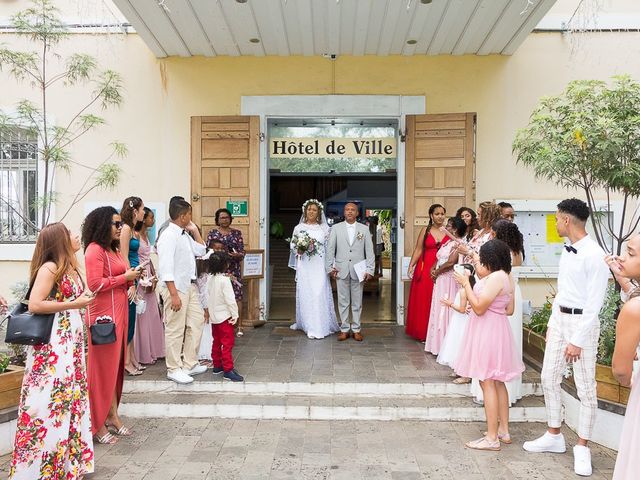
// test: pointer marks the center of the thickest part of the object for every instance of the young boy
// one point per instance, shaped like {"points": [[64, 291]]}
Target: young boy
{"points": [[183, 315], [223, 315]]}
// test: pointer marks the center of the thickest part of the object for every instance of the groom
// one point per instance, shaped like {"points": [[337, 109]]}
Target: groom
{"points": [[349, 243]]}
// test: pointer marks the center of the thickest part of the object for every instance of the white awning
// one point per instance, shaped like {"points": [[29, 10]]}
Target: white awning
{"points": [[333, 27]]}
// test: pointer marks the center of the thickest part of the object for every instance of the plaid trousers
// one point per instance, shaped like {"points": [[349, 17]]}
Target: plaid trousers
{"points": [[584, 373]]}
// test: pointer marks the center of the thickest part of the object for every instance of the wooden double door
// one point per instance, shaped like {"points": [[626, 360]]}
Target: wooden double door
{"points": [[225, 165]]}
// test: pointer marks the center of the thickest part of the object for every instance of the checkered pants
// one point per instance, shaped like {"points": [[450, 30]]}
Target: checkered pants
{"points": [[584, 373]]}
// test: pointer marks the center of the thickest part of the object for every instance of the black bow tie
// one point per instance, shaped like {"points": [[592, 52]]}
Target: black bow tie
{"points": [[184, 232], [570, 249]]}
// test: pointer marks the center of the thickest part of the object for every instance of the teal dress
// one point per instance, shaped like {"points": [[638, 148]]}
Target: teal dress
{"points": [[134, 261]]}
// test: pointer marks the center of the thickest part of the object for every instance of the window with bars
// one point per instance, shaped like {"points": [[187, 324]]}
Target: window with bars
{"points": [[18, 185]]}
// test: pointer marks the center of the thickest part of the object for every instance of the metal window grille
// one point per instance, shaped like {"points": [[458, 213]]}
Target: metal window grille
{"points": [[18, 185]]}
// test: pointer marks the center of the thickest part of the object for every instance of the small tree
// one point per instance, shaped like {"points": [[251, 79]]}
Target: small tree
{"points": [[44, 69], [589, 138]]}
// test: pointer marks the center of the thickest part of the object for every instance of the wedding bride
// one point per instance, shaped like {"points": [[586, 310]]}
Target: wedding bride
{"points": [[315, 314]]}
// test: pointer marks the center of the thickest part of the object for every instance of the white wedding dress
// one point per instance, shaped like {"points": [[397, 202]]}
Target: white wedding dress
{"points": [[315, 313]]}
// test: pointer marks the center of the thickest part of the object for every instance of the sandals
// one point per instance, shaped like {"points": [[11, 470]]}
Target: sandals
{"points": [[503, 437], [462, 380], [484, 444], [106, 439], [135, 373], [123, 431]]}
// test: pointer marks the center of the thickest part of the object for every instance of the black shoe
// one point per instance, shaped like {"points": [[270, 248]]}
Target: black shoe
{"points": [[233, 376], [217, 370]]}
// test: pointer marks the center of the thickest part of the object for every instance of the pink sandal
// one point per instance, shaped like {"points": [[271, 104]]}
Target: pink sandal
{"points": [[484, 444]]}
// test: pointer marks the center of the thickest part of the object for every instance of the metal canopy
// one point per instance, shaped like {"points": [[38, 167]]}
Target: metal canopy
{"points": [[333, 27]]}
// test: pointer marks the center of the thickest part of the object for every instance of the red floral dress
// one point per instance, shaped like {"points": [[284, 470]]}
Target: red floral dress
{"points": [[53, 435]]}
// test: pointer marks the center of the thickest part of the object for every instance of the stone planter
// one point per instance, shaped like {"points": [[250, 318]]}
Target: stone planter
{"points": [[609, 389], [10, 385]]}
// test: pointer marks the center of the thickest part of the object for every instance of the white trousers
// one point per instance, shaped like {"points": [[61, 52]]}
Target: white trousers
{"points": [[584, 373]]}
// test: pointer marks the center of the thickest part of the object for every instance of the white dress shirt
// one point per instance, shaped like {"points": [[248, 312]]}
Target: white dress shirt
{"points": [[221, 301], [351, 231], [582, 283], [177, 253]]}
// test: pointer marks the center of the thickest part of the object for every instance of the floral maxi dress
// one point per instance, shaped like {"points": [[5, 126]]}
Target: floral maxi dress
{"points": [[53, 435]]}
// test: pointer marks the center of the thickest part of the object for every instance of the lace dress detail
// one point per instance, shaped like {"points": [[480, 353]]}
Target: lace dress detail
{"points": [[315, 313]]}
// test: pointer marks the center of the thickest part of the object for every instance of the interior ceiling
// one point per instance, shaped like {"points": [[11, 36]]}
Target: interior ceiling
{"points": [[333, 27]]}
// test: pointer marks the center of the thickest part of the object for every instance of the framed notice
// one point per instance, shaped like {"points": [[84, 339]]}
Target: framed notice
{"points": [[253, 264], [405, 269]]}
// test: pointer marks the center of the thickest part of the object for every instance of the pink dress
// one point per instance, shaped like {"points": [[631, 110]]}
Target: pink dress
{"points": [[149, 335], [440, 314], [628, 462], [488, 351]]}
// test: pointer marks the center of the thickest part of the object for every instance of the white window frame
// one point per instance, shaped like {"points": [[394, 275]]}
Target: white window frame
{"points": [[24, 251]]}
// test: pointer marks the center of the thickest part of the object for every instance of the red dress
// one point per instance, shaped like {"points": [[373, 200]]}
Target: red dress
{"points": [[421, 290], [105, 367]]}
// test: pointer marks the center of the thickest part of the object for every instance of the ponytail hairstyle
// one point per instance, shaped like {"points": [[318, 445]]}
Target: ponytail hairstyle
{"points": [[129, 205]]}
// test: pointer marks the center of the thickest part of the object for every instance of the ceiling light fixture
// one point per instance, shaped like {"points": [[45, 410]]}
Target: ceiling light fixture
{"points": [[241, 1], [254, 40], [411, 42], [425, 2]]}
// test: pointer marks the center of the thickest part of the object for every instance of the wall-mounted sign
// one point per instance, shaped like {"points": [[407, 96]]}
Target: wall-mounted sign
{"points": [[384, 147], [253, 264], [238, 208]]}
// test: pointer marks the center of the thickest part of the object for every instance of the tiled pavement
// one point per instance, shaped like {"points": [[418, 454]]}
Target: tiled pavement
{"points": [[198, 449], [274, 353]]}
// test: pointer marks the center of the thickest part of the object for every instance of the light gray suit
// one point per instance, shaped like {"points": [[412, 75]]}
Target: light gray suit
{"points": [[343, 255]]}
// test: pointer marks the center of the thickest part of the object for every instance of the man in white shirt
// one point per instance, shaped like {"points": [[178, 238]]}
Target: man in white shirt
{"points": [[572, 333], [183, 315]]}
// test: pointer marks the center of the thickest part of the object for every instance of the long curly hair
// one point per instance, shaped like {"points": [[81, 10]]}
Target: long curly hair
{"points": [[510, 234], [495, 255], [473, 226], [489, 214], [307, 204], [96, 228]]}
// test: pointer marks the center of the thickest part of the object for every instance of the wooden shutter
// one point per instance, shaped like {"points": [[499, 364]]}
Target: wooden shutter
{"points": [[225, 165], [439, 168]]}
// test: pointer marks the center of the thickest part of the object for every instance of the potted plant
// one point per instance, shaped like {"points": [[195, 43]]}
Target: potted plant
{"points": [[10, 382]]}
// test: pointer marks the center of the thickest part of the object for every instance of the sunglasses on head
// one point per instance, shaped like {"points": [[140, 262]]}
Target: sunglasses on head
{"points": [[117, 224]]}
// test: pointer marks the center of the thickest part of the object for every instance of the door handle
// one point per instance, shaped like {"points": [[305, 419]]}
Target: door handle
{"points": [[401, 222], [195, 197]]}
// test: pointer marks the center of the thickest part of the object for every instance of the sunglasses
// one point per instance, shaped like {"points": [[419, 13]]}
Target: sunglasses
{"points": [[117, 224]]}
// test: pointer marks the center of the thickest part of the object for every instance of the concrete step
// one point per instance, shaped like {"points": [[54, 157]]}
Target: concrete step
{"points": [[207, 383], [300, 407]]}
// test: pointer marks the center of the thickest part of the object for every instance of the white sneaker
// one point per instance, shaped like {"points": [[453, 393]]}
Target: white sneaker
{"points": [[546, 443], [197, 370], [179, 376], [582, 460]]}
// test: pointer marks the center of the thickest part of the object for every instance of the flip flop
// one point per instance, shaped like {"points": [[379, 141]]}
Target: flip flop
{"points": [[503, 437]]}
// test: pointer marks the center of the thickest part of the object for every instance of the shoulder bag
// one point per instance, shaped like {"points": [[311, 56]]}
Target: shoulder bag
{"points": [[103, 331], [26, 328]]}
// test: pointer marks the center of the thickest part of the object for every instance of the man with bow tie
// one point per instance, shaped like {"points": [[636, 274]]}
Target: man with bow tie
{"points": [[180, 243], [572, 333]]}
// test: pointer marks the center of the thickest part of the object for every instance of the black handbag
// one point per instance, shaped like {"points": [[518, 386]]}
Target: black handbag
{"points": [[26, 328], [103, 331]]}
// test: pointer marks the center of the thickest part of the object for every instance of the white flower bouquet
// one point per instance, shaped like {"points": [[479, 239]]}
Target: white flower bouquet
{"points": [[304, 244]]}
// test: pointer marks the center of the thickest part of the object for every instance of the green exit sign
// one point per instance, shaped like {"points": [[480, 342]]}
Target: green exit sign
{"points": [[238, 208]]}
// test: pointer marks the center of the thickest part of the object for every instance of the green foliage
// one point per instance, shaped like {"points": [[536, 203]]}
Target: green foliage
{"points": [[41, 24], [588, 138], [4, 362], [276, 229], [608, 317], [540, 318]]}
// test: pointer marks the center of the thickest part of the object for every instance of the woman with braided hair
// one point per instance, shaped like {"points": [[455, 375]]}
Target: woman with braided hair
{"points": [[430, 239]]}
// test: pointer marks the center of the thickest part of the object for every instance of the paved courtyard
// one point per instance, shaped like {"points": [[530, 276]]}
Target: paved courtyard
{"points": [[198, 449]]}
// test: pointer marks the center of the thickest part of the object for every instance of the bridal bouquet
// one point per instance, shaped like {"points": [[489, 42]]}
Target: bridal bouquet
{"points": [[303, 243]]}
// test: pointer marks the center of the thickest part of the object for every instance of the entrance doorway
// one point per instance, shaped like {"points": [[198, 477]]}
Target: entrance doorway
{"points": [[372, 183]]}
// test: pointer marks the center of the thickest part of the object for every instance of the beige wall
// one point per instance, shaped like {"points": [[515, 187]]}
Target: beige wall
{"points": [[161, 95]]}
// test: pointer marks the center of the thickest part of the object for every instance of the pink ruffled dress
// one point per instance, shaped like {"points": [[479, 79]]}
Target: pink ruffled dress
{"points": [[488, 351]]}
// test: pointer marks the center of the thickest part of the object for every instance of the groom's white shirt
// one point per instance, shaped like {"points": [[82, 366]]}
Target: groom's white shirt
{"points": [[351, 231]]}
